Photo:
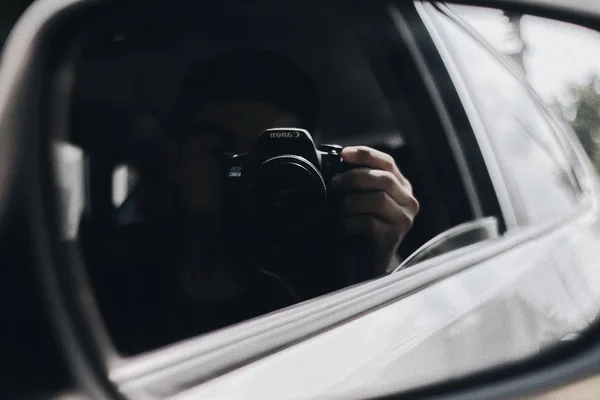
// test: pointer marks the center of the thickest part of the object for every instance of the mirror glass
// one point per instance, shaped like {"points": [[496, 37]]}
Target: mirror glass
{"points": [[211, 173], [187, 218]]}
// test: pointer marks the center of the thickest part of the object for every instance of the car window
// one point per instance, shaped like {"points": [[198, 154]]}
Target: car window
{"points": [[190, 217], [566, 77], [532, 161]]}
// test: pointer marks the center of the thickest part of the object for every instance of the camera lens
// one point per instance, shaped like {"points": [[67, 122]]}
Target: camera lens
{"points": [[290, 194]]}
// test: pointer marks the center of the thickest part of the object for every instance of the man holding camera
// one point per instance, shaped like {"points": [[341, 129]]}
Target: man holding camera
{"points": [[228, 102], [223, 108]]}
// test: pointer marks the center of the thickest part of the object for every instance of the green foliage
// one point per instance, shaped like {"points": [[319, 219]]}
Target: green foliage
{"points": [[581, 107]]}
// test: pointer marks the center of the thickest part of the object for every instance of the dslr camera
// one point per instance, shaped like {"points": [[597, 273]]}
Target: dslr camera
{"points": [[281, 188]]}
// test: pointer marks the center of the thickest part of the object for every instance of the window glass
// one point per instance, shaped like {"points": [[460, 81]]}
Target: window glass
{"points": [[180, 237], [529, 155], [566, 77]]}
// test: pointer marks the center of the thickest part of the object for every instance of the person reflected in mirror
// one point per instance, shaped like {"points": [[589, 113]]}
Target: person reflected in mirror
{"points": [[222, 107]]}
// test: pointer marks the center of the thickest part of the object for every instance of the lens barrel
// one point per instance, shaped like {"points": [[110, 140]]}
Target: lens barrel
{"points": [[289, 193]]}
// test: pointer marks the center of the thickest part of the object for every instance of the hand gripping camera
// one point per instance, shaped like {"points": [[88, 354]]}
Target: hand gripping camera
{"points": [[281, 189]]}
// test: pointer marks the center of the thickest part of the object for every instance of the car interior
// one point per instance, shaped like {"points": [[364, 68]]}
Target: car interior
{"points": [[129, 70]]}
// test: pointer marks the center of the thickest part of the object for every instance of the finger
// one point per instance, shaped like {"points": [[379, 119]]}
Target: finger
{"points": [[371, 158], [364, 179], [379, 204]]}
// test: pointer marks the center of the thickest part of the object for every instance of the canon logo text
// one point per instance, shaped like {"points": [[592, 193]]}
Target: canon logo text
{"points": [[285, 135]]}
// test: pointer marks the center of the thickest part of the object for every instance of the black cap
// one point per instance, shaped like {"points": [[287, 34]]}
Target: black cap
{"points": [[249, 75]]}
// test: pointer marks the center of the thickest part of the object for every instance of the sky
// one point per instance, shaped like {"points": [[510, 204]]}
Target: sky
{"points": [[558, 53]]}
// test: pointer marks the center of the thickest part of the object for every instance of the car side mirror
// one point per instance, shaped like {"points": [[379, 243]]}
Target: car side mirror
{"points": [[454, 238]]}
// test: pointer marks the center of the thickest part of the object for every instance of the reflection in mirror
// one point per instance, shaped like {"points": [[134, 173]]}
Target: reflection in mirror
{"points": [[190, 221]]}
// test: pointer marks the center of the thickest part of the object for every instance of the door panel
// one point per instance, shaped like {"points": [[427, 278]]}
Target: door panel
{"points": [[576, 256], [503, 310]]}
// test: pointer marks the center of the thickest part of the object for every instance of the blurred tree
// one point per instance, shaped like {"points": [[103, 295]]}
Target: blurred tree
{"points": [[515, 46], [581, 107]]}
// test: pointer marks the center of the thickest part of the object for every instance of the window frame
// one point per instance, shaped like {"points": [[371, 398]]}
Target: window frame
{"points": [[462, 117], [554, 122]]}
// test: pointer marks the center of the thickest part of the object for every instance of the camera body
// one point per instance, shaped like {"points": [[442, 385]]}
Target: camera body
{"points": [[281, 188]]}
